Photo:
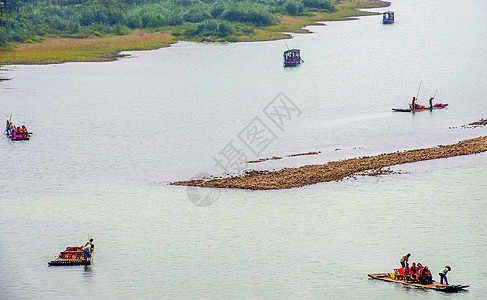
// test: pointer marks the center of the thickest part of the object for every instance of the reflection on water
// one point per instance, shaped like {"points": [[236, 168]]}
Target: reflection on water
{"points": [[88, 271]]}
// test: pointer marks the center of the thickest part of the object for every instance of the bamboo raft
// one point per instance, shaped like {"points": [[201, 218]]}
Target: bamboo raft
{"points": [[72, 256], [20, 137], [391, 277]]}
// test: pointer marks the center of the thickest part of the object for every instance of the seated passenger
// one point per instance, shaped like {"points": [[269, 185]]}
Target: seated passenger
{"points": [[414, 269], [402, 271], [420, 269], [427, 275]]}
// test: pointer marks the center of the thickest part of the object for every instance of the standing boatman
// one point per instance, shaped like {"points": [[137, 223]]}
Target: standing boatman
{"points": [[443, 274], [88, 249], [404, 259], [413, 105], [431, 103]]}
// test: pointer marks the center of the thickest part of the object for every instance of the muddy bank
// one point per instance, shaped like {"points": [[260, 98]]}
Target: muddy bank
{"points": [[337, 170]]}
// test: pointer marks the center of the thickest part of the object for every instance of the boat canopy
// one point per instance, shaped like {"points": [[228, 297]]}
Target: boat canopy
{"points": [[292, 51], [388, 17]]}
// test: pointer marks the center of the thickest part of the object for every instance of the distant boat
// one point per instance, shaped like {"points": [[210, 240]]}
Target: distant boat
{"points": [[422, 107], [292, 58], [388, 17]]}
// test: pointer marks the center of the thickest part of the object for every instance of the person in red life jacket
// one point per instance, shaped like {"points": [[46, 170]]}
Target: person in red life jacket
{"points": [[405, 271], [402, 271], [404, 259]]}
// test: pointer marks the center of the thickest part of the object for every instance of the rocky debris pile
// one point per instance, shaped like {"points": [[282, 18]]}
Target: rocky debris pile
{"points": [[480, 123], [301, 154], [337, 170], [263, 159], [278, 157]]}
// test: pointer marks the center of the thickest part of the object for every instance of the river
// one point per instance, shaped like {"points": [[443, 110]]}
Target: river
{"points": [[110, 137]]}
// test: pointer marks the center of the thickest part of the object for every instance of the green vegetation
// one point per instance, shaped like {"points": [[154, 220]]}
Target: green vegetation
{"points": [[24, 20], [65, 24]]}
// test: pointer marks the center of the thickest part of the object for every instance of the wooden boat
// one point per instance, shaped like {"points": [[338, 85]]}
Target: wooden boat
{"points": [[391, 277], [292, 58], [72, 256], [422, 108], [388, 17]]}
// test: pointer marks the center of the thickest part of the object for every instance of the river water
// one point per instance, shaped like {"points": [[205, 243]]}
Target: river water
{"points": [[109, 137]]}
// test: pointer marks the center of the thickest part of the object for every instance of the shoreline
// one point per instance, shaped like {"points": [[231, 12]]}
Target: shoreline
{"points": [[337, 170], [107, 48]]}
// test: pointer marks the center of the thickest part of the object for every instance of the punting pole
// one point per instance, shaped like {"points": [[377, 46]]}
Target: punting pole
{"points": [[417, 95]]}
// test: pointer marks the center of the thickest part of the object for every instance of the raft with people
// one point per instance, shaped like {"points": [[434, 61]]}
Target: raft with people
{"points": [[434, 285], [15, 133], [74, 256]]}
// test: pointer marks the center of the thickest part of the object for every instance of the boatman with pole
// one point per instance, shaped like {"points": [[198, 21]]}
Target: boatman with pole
{"points": [[443, 274], [87, 249], [404, 259]]}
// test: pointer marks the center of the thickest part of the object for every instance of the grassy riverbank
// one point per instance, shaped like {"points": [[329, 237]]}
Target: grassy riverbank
{"points": [[80, 47], [106, 48], [337, 170]]}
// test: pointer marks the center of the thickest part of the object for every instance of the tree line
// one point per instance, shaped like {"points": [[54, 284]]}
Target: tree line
{"points": [[24, 20]]}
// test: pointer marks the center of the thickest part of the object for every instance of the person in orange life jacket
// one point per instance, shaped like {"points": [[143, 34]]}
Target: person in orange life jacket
{"points": [[404, 270], [427, 275], [420, 269], [404, 259], [443, 274], [414, 269]]}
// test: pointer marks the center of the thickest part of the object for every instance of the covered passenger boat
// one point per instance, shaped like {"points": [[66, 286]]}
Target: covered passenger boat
{"points": [[72, 256], [388, 17], [394, 277], [292, 58]]}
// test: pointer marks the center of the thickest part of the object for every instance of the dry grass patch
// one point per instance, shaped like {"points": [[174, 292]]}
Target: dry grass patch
{"points": [[106, 48]]}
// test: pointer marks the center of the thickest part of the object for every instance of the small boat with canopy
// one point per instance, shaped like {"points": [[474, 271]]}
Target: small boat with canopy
{"points": [[292, 58], [388, 17]]}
